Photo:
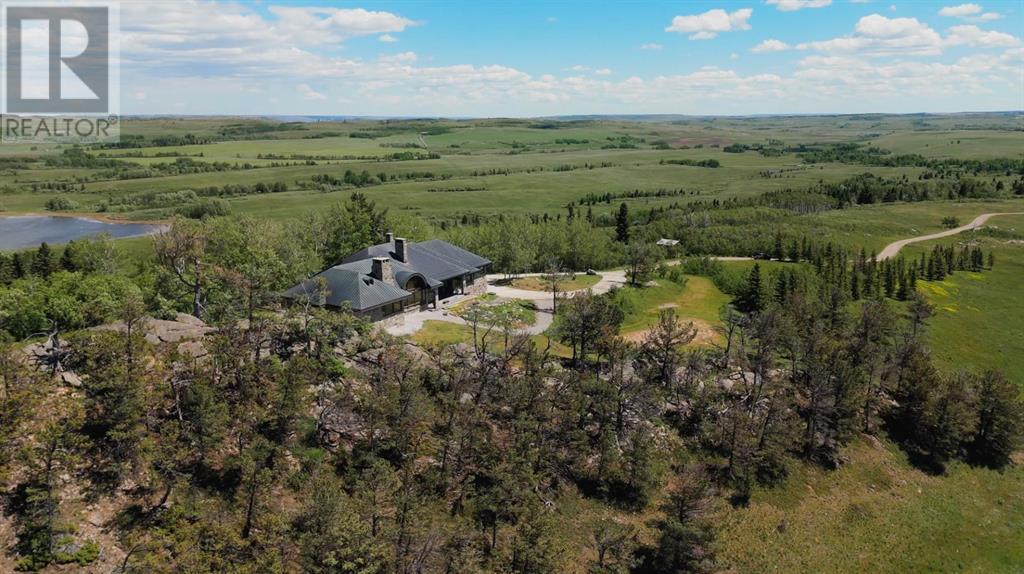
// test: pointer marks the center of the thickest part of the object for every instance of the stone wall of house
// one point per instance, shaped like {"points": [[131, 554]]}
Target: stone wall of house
{"points": [[393, 321], [371, 315], [478, 287], [377, 316]]}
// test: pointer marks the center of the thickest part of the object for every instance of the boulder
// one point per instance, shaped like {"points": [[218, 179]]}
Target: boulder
{"points": [[71, 379]]}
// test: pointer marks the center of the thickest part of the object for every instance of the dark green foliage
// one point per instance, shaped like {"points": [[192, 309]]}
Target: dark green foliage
{"points": [[622, 224], [206, 207], [685, 534], [60, 204], [751, 298], [1000, 419], [43, 262]]}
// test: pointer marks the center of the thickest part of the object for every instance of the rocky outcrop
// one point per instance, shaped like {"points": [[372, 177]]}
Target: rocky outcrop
{"points": [[185, 330], [183, 327]]}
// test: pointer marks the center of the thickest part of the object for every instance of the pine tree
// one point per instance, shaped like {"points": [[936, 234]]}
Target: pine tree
{"points": [[42, 263], [6, 270], [890, 280], [781, 287], [67, 258], [1000, 420], [684, 543], [19, 267], [751, 298], [622, 224]]}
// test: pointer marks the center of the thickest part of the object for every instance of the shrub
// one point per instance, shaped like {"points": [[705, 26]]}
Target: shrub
{"points": [[60, 204], [206, 207]]}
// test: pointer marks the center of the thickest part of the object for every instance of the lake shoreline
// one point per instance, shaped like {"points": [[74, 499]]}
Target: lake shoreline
{"points": [[28, 231], [100, 217]]}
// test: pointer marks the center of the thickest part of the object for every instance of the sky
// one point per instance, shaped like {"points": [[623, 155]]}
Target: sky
{"points": [[527, 59]]}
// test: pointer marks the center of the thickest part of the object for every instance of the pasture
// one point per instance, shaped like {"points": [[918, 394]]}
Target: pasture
{"points": [[485, 167]]}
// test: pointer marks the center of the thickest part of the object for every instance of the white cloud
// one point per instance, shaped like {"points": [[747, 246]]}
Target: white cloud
{"points": [[322, 25], [387, 38], [970, 12], [208, 58], [878, 35], [551, 20], [794, 5], [309, 93], [651, 46], [971, 35], [770, 45], [709, 24], [400, 58], [602, 72], [579, 68], [960, 11]]}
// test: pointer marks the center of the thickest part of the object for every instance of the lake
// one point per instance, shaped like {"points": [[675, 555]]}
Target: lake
{"points": [[22, 231]]}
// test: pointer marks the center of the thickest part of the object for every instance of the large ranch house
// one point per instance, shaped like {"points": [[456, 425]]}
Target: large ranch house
{"points": [[396, 276]]}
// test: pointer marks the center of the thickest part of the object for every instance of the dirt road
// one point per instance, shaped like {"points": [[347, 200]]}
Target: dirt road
{"points": [[893, 248]]}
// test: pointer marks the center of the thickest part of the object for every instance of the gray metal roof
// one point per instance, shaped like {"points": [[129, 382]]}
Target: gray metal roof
{"points": [[349, 286], [434, 259], [350, 281]]}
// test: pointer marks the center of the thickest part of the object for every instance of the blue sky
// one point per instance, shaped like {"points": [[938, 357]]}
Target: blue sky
{"points": [[547, 58]]}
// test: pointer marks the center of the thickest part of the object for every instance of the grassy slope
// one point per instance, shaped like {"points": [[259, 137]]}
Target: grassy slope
{"points": [[971, 145], [699, 300], [979, 320], [879, 514], [875, 226]]}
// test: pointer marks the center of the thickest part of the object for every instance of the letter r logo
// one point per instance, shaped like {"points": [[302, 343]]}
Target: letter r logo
{"points": [[58, 59]]}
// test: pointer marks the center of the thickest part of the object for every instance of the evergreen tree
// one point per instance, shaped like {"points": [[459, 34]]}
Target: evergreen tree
{"points": [[622, 224], [890, 279], [42, 263], [1000, 420], [685, 535], [751, 298], [6, 269], [67, 258]]}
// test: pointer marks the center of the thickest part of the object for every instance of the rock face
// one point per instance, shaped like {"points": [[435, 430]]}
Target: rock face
{"points": [[71, 379], [184, 327], [185, 330]]}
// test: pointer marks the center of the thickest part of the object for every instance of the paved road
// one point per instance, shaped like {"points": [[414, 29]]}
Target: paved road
{"points": [[893, 248]]}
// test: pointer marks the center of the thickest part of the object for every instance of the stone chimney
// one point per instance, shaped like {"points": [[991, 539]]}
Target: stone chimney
{"points": [[389, 237], [400, 249], [381, 270]]}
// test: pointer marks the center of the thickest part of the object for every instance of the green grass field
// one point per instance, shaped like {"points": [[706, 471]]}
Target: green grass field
{"points": [[940, 144], [536, 155], [698, 300], [979, 317], [575, 283], [880, 514]]}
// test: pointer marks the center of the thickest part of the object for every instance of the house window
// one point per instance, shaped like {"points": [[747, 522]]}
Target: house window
{"points": [[391, 309]]}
